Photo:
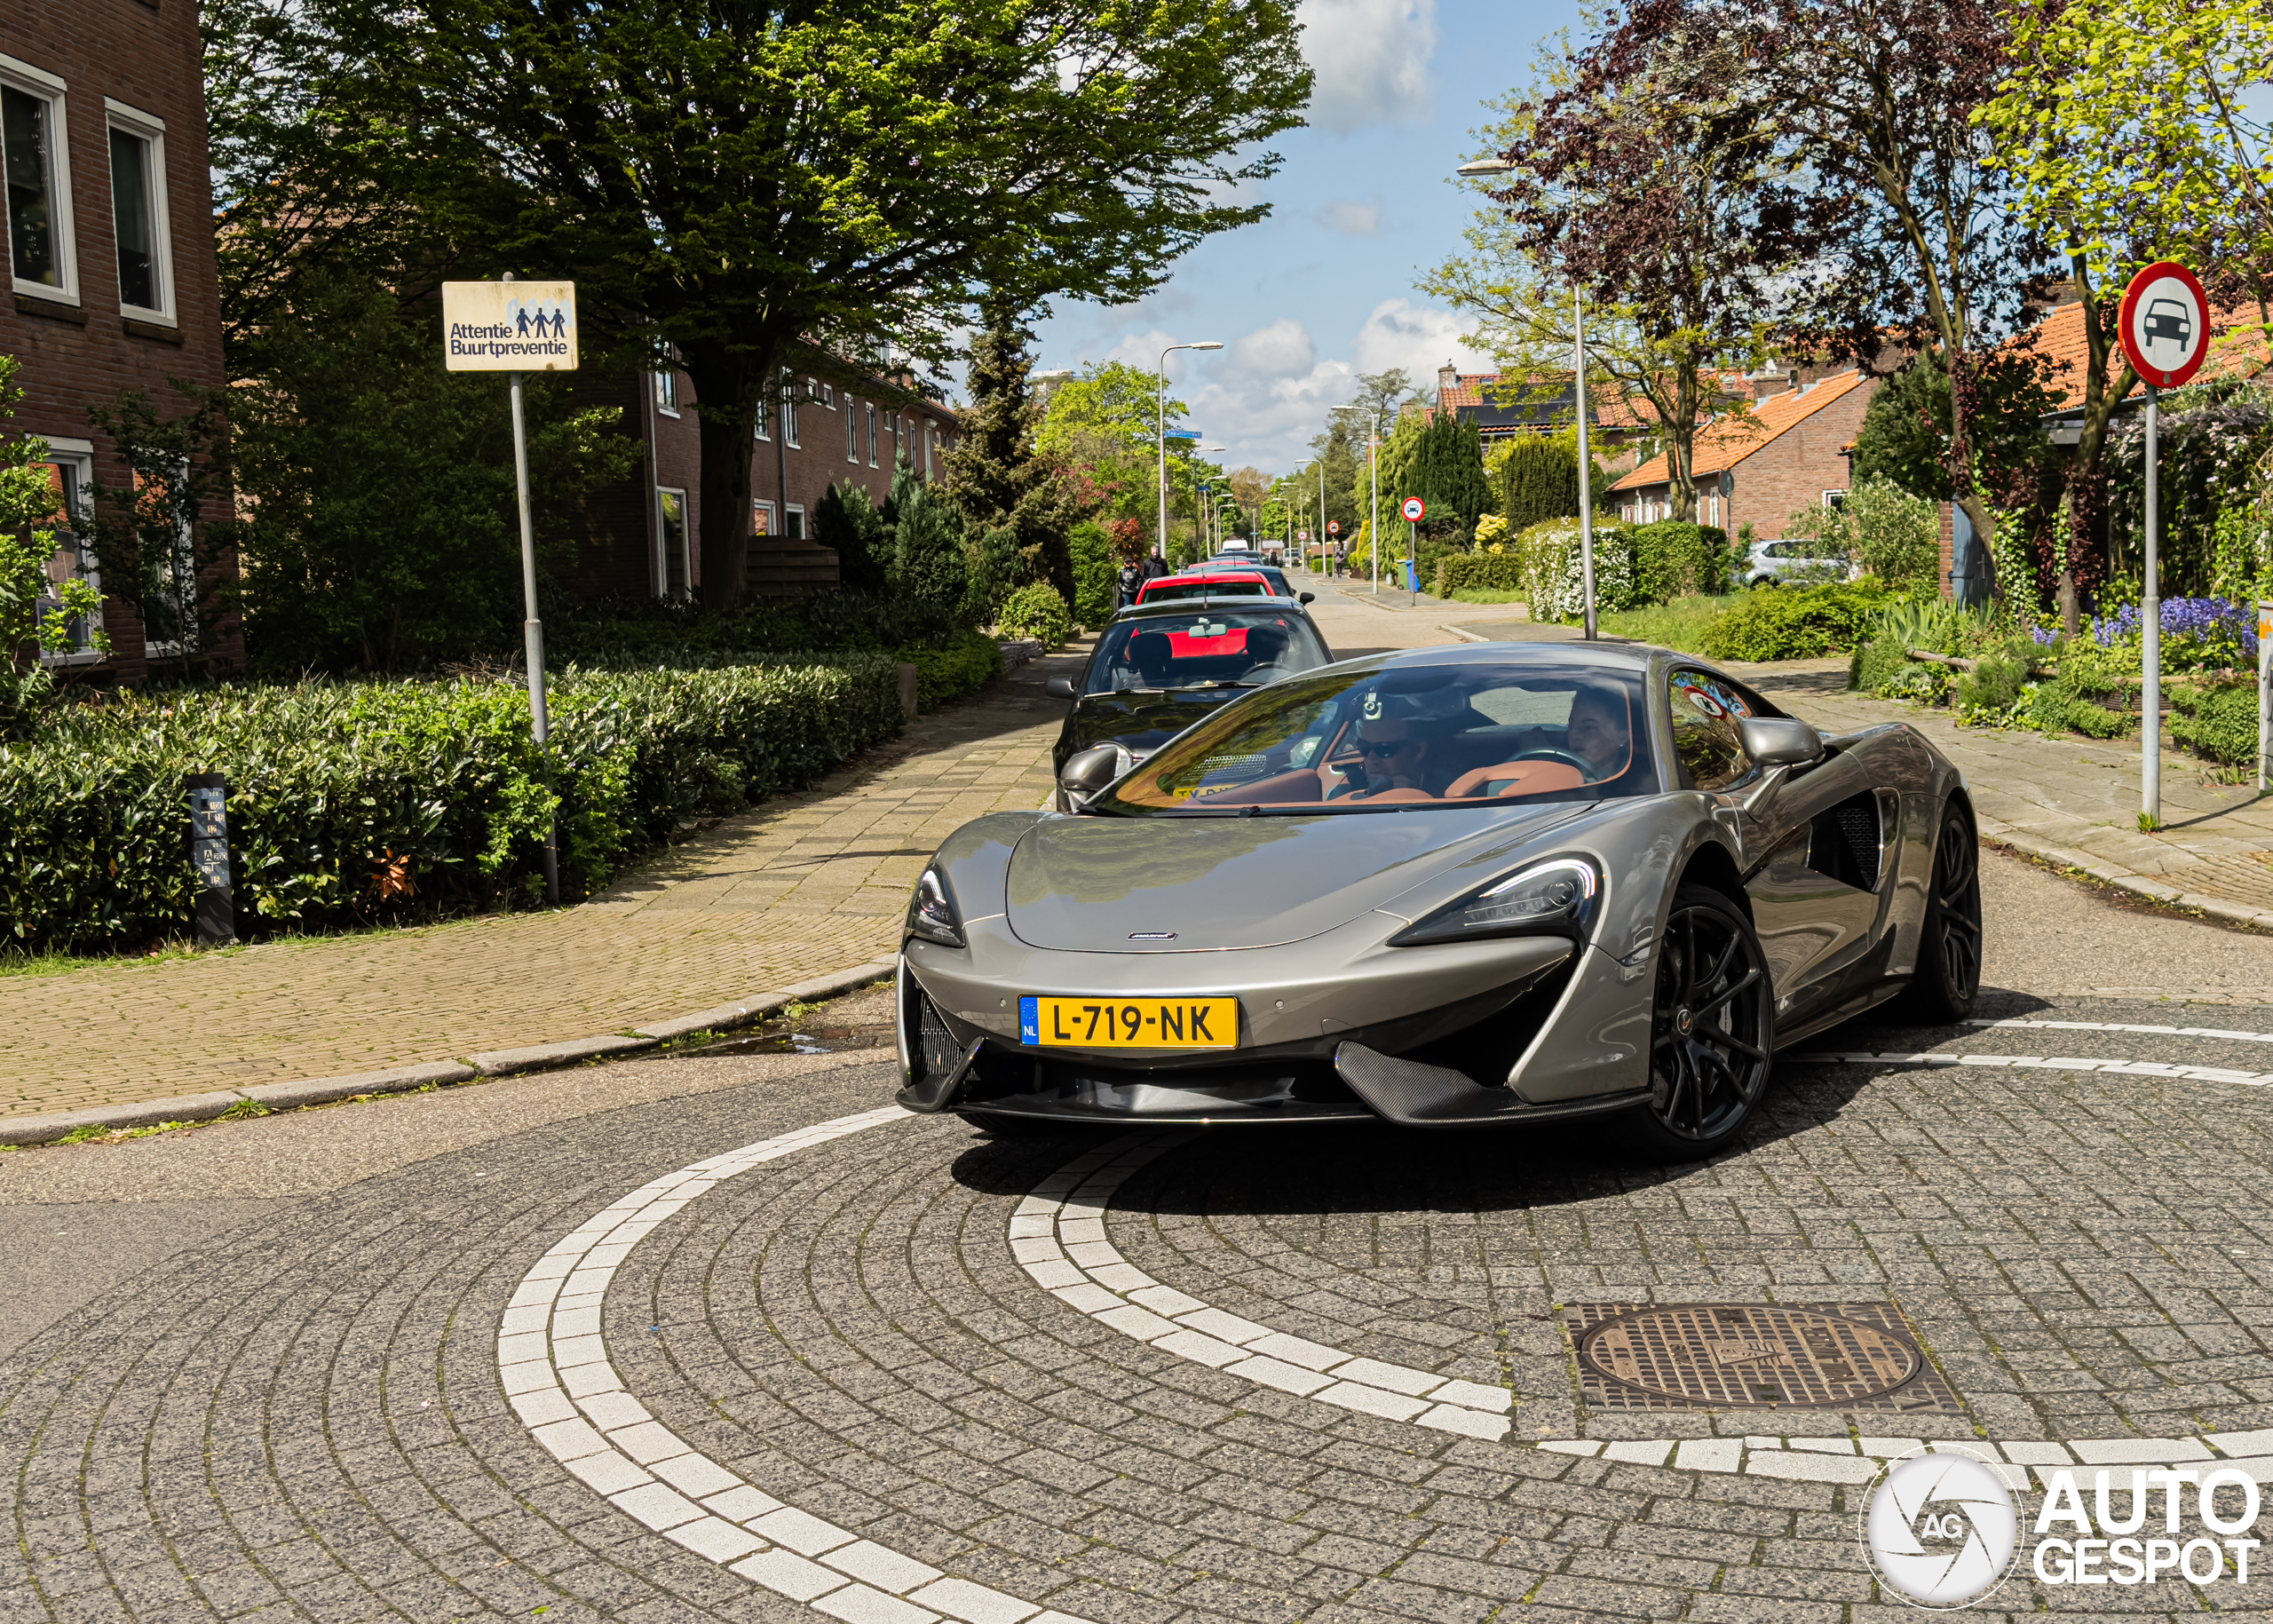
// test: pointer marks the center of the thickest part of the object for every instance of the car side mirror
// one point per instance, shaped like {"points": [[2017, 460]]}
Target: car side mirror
{"points": [[1058, 687], [1306, 598], [1781, 742], [1087, 772]]}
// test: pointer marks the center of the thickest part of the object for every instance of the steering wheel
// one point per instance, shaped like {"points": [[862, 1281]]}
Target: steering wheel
{"points": [[1586, 769]]}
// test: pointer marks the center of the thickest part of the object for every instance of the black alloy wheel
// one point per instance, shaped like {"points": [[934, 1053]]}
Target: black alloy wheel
{"points": [[1712, 1028], [1948, 980]]}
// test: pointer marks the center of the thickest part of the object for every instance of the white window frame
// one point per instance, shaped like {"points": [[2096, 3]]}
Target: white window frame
{"points": [[872, 433], [789, 420], [663, 542], [792, 515], [149, 127], [931, 441], [80, 456], [852, 430], [38, 82], [763, 430], [1834, 501], [828, 394], [761, 512], [667, 394]]}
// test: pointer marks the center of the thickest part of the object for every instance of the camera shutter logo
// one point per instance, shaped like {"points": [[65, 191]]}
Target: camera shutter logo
{"points": [[1941, 1531]]}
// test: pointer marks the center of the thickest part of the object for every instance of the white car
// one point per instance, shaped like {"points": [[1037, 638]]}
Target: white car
{"points": [[1774, 563]]}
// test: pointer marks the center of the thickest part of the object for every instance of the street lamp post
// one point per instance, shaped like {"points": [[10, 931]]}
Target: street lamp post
{"points": [[1483, 169], [1374, 527], [1161, 401]]}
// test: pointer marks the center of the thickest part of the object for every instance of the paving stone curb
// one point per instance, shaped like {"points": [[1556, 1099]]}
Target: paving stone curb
{"points": [[2122, 879], [44, 1129]]}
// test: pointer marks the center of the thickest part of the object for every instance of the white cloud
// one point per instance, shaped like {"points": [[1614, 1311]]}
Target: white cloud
{"points": [[1352, 219], [1372, 60], [1278, 351], [1419, 338]]}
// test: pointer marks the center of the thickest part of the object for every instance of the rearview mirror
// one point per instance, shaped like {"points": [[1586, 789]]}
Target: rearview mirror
{"points": [[1781, 742], [1306, 598], [1058, 687], [1087, 772]]}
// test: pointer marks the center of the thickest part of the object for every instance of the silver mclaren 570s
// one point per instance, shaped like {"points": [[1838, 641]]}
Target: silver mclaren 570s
{"points": [[1466, 887]]}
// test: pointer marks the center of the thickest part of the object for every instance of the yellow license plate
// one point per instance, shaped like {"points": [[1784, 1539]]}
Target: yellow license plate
{"points": [[1129, 1023]]}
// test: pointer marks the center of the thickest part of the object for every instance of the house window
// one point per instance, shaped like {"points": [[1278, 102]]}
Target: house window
{"points": [[931, 439], [70, 469], [765, 416], [137, 203], [32, 156], [872, 433], [1833, 501], [852, 430], [666, 399], [795, 531], [761, 519], [672, 578], [789, 417], [828, 394]]}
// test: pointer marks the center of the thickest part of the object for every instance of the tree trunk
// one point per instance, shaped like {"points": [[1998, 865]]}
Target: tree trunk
{"points": [[726, 390]]}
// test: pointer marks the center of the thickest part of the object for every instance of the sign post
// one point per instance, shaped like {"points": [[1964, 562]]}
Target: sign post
{"points": [[512, 327], [2264, 693], [2165, 329], [1415, 510]]}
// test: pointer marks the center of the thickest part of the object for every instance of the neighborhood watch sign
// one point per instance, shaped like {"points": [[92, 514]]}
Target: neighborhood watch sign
{"points": [[509, 327]]}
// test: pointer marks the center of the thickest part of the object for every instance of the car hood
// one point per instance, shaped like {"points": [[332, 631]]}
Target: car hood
{"points": [[1095, 884], [1140, 722]]}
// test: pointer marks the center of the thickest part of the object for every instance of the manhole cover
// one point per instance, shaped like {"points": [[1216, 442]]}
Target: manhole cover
{"points": [[1744, 1356]]}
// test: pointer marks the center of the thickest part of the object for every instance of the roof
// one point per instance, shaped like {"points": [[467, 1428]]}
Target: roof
{"points": [[2239, 351], [1722, 445]]}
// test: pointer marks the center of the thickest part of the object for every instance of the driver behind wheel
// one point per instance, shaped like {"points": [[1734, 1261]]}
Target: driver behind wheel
{"points": [[1600, 733]]}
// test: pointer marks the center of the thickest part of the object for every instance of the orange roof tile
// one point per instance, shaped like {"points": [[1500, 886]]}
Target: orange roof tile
{"points": [[2239, 350], [1722, 445]]}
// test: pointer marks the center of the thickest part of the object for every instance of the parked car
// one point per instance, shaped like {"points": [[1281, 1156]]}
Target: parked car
{"points": [[1798, 560], [1495, 886], [1220, 567], [1158, 667]]}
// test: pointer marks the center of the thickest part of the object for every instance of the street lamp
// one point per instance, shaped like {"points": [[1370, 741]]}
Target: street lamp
{"points": [[1161, 400], [1478, 169]]}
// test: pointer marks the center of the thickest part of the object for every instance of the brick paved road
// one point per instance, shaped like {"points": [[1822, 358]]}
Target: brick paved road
{"points": [[304, 1418], [803, 885]]}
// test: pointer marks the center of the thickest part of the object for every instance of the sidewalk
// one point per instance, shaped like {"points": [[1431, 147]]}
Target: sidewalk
{"points": [[803, 886]]}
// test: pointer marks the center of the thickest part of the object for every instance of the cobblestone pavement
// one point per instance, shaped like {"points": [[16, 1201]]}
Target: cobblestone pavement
{"points": [[301, 1413], [803, 886]]}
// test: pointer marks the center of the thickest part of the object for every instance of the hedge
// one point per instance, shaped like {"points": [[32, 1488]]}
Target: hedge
{"points": [[968, 663], [1498, 571], [330, 781], [2219, 721], [1674, 560], [1795, 623]]}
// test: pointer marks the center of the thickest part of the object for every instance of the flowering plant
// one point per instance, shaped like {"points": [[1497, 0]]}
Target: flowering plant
{"points": [[2198, 633]]}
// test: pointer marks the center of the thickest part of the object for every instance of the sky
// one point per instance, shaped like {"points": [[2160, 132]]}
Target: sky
{"points": [[1324, 288]]}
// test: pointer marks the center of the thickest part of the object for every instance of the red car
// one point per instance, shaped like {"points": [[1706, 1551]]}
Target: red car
{"points": [[1226, 584]]}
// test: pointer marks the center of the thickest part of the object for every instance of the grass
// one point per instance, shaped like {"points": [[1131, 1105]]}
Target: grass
{"points": [[1486, 594], [1678, 624]]}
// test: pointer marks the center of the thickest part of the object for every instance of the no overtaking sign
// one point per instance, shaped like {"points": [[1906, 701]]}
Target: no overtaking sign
{"points": [[1414, 509]]}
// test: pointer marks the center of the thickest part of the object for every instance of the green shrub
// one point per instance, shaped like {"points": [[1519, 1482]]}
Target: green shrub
{"points": [[1877, 664], [2218, 721], [643, 632], [1668, 625], [1794, 624], [1093, 573], [1673, 559], [968, 663], [1036, 611], [326, 780], [1500, 572], [1994, 684]]}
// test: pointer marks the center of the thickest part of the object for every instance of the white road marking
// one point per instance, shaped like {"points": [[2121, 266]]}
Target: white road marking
{"points": [[2048, 1063], [553, 1362], [1057, 1236]]}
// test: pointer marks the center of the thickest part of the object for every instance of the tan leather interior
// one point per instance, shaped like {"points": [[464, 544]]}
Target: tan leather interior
{"points": [[1516, 778]]}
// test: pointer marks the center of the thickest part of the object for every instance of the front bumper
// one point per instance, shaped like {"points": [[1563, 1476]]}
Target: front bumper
{"points": [[1475, 1018]]}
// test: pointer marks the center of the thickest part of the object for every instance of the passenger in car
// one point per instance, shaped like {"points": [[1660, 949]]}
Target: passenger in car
{"points": [[1600, 732]]}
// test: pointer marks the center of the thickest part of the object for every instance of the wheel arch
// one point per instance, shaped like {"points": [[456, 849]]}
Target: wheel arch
{"points": [[1712, 865]]}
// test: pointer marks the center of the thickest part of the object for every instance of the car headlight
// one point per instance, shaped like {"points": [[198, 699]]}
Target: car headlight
{"points": [[1552, 899], [932, 911]]}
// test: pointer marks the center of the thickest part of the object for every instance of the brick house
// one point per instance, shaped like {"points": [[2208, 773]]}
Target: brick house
{"points": [[112, 281], [1790, 452], [643, 536]]}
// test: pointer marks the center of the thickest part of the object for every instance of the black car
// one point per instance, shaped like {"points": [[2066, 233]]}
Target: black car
{"points": [[1160, 667]]}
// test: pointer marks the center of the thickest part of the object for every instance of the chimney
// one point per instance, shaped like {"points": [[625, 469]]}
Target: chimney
{"points": [[1447, 380]]}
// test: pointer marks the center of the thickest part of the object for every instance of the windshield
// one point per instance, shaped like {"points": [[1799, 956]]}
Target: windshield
{"points": [[1171, 587], [1202, 649], [1413, 736]]}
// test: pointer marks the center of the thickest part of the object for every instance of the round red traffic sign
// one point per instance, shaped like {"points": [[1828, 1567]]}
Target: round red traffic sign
{"points": [[1306, 535], [1415, 509], [2165, 324], [1333, 527]]}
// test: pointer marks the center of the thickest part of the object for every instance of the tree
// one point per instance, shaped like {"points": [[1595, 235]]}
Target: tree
{"points": [[1539, 479], [1436, 456], [753, 183], [996, 477], [928, 562], [1894, 534], [1649, 175], [1906, 433], [2127, 129], [1100, 428], [1923, 247], [35, 613], [160, 552]]}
